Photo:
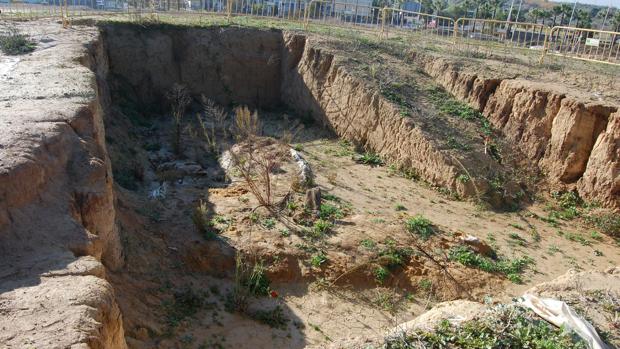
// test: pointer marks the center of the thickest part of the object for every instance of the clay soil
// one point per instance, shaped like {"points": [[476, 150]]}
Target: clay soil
{"points": [[170, 262], [363, 272]]}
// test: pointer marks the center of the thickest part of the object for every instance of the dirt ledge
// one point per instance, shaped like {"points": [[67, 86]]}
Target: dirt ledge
{"points": [[57, 222]]}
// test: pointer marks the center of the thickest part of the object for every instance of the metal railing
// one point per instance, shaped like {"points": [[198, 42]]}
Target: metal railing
{"points": [[499, 33], [584, 44]]}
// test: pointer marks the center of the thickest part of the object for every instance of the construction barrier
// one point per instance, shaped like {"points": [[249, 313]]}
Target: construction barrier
{"points": [[499, 33], [584, 44]]}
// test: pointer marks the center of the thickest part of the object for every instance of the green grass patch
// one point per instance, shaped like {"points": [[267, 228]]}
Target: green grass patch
{"points": [[420, 226], [512, 269]]}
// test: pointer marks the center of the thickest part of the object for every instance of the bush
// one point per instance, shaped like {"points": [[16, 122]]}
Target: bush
{"points": [[510, 268], [12, 42], [503, 327], [420, 226]]}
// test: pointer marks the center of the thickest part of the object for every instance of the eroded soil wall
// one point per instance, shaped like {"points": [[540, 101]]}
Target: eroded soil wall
{"points": [[57, 216], [229, 65], [575, 142]]}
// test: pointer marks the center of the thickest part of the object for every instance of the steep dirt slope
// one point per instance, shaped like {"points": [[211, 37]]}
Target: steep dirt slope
{"points": [[57, 221], [573, 139]]}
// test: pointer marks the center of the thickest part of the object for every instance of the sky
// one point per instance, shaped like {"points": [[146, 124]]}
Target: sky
{"points": [[614, 3]]}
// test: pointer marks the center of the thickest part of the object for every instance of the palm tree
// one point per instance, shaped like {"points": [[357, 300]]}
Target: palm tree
{"points": [[439, 5], [427, 6], [544, 14], [534, 14], [496, 4], [566, 11], [616, 21], [556, 11], [584, 20]]}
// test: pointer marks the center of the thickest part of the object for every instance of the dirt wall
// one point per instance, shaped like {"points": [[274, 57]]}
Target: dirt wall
{"points": [[315, 83], [230, 65], [574, 141], [57, 217]]}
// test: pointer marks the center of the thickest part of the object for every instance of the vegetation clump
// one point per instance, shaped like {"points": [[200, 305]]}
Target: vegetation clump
{"points": [[502, 327], [420, 226], [510, 268], [12, 42]]}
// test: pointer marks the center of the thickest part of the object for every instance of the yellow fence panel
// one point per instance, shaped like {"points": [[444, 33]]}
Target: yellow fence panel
{"points": [[584, 44]]}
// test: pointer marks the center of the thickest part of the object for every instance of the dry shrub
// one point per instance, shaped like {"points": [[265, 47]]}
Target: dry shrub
{"points": [[216, 114], [179, 99], [291, 130], [247, 124], [256, 158], [255, 162]]}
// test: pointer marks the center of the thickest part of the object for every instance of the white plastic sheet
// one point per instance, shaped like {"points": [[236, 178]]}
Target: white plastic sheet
{"points": [[560, 314]]}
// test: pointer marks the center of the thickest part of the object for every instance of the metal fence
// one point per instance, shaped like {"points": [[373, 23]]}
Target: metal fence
{"points": [[578, 43], [496, 32], [584, 44]]}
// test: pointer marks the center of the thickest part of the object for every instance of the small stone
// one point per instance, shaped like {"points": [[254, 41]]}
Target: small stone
{"points": [[313, 199]]}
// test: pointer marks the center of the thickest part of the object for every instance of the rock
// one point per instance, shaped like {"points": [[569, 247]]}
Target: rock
{"points": [[313, 199], [306, 177], [477, 245], [454, 311], [183, 168]]}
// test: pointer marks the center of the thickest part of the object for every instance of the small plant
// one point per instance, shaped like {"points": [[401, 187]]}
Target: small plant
{"points": [[318, 259], [201, 222], [608, 223], [420, 226], [510, 268], [185, 303], [273, 318], [179, 99], [269, 223], [12, 42], [463, 178], [400, 207], [369, 158], [425, 285], [330, 212], [368, 244], [247, 124], [596, 236], [250, 280], [503, 326], [577, 238], [553, 250], [381, 273], [321, 227]]}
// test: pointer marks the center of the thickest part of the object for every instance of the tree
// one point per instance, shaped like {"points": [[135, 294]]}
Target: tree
{"points": [[439, 5], [584, 20], [533, 14], [566, 12], [427, 6], [616, 21], [555, 12], [496, 4], [544, 14]]}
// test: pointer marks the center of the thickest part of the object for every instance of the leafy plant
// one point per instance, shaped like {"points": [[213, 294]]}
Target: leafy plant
{"points": [[273, 318], [420, 226], [369, 158], [509, 268], [330, 212], [381, 273], [318, 259], [503, 327], [400, 207], [12, 42]]}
